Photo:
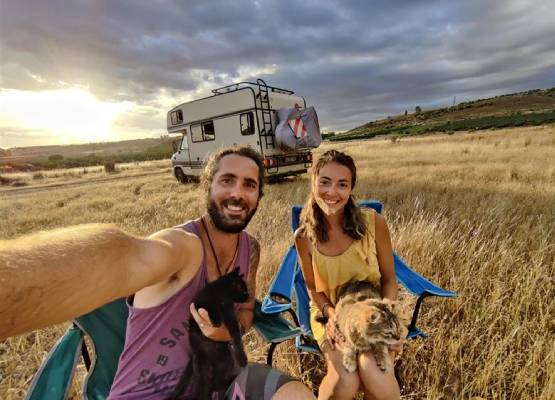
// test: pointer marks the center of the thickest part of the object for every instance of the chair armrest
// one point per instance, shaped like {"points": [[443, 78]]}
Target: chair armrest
{"points": [[418, 286], [53, 380], [280, 292], [416, 283], [273, 327]]}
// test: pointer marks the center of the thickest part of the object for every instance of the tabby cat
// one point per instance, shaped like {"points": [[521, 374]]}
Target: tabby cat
{"points": [[367, 323], [214, 365]]}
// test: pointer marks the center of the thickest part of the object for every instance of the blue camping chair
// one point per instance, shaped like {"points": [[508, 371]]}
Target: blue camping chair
{"points": [[289, 281], [105, 329]]}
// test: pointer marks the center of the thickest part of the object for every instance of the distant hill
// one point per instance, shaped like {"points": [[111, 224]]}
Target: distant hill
{"points": [[525, 108], [76, 155]]}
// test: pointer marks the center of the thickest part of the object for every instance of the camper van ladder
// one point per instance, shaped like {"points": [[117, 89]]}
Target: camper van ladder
{"points": [[266, 130]]}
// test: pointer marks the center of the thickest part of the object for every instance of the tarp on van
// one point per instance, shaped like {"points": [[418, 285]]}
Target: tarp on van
{"points": [[298, 128]]}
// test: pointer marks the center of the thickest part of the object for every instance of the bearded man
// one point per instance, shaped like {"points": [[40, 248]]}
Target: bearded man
{"points": [[160, 274]]}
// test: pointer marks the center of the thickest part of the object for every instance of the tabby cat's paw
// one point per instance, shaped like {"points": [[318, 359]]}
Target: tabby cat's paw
{"points": [[350, 363]]}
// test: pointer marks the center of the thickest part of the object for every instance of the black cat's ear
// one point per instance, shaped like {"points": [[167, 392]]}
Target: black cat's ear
{"points": [[235, 271]]}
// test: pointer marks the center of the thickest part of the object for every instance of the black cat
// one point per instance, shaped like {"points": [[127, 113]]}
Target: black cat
{"points": [[214, 365]]}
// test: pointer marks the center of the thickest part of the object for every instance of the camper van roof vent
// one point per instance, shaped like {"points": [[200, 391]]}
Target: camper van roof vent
{"points": [[239, 85]]}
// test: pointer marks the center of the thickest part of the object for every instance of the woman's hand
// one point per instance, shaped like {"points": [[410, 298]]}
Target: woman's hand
{"points": [[335, 338], [217, 333], [396, 347]]}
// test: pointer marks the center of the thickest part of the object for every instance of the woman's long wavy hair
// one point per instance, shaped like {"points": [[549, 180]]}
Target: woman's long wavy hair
{"points": [[312, 218]]}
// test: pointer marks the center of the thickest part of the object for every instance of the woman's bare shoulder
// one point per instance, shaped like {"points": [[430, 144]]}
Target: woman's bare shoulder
{"points": [[300, 236], [302, 242]]}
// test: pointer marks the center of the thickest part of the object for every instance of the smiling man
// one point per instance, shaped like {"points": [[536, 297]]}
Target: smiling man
{"points": [[58, 275], [157, 344]]}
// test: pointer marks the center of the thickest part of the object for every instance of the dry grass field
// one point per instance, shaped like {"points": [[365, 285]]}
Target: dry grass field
{"points": [[14, 181], [474, 212]]}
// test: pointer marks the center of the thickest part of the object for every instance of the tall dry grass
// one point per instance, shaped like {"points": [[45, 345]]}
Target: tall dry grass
{"points": [[473, 212]]}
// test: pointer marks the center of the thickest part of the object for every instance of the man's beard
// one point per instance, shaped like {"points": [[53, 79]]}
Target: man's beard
{"points": [[225, 224]]}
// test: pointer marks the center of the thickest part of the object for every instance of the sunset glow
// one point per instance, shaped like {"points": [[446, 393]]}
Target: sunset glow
{"points": [[69, 115]]}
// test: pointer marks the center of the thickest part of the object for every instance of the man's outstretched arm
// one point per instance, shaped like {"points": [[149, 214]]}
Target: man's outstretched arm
{"points": [[51, 277]]}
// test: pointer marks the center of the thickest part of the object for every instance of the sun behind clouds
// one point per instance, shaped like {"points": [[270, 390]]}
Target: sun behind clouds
{"points": [[72, 115]]}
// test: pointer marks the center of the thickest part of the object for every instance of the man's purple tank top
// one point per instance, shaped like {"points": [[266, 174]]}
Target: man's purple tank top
{"points": [[157, 350]]}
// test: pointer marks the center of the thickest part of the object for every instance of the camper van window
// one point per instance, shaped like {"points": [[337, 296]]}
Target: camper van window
{"points": [[196, 133], [203, 132], [247, 124], [177, 117], [208, 130]]}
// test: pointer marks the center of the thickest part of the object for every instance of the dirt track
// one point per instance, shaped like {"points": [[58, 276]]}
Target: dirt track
{"points": [[25, 190]]}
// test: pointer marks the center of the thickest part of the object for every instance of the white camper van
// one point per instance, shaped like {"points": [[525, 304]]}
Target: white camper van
{"points": [[241, 113]]}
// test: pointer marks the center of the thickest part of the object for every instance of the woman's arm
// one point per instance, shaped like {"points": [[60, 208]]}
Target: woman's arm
{"points": [[304, 246], [385, 259], [54, 276]]}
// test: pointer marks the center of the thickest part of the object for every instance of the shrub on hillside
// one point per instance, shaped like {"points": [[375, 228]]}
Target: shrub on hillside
{"points": [[15, 182], [4, 181], [110, 167], [55, 158]]}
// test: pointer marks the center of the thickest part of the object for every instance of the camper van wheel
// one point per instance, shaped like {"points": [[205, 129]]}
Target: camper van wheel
{"points": [[181, 177]]}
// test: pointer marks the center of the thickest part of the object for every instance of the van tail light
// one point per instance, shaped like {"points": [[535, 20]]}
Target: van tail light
{"points": [[270, 162]]}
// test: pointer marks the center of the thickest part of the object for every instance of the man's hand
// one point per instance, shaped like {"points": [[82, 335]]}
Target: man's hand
{"points": [[217, 333]]}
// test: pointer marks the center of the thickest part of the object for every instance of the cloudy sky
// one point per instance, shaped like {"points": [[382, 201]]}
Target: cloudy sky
{"points": [[98, 70]]}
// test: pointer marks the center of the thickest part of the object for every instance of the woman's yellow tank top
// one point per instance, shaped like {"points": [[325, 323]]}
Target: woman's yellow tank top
{"points": [[358, 263]]}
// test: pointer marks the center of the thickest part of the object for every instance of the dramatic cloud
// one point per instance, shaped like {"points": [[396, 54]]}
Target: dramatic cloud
{"points": [[354, 60]]}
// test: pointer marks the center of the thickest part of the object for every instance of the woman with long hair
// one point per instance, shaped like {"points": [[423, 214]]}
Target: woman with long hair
{"points": [[337, 243]]}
